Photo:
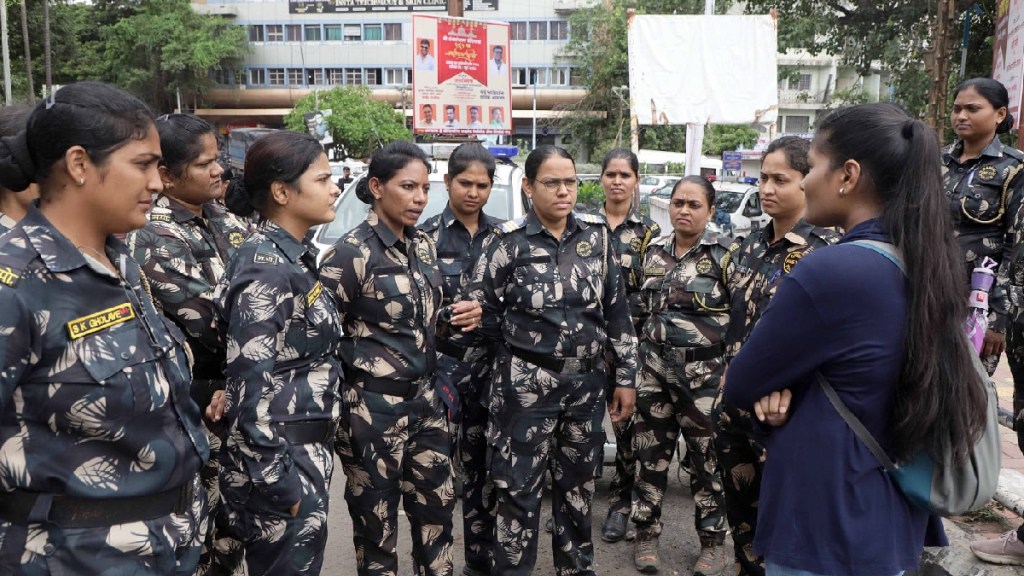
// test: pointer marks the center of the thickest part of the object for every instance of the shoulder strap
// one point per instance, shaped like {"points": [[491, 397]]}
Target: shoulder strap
{"points": [[855, 424], [885, 249]]}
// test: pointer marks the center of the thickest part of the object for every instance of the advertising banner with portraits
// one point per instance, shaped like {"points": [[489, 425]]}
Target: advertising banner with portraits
{"points": [[462, 83], [1008, 52]]}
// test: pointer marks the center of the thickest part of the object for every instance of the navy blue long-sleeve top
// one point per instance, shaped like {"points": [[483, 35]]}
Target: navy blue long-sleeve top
{"points": [[826, 503]]}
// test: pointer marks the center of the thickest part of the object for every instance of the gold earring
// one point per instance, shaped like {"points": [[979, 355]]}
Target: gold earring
{"points": [[842, 191]]}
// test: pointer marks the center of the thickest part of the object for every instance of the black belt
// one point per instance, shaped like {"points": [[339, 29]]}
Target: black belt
{"points": [[389, 386], [560, 365], [24, 507], [690, 354], [462, 353], [309, 431]]}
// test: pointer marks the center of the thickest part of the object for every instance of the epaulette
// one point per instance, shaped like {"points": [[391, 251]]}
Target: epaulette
{"points": [[828, 235], [662, 240], [1013, 153], [12, 266], [510, 226], [725, 241], [590, 218], [158, 214], [264, 255], [430, 224]]}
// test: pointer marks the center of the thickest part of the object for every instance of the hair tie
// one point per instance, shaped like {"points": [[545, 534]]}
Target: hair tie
{"points": [[908, 129]]}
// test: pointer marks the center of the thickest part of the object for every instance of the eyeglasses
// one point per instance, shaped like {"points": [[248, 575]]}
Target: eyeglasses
{"points": [[553, 184]]}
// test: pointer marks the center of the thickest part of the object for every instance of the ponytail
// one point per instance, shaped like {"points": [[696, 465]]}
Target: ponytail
{"points": [[940, 399]]}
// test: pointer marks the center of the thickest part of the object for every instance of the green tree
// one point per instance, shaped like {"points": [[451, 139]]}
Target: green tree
{"points": [[597, 49], [358, 123], [721, 137], [163, 47]]}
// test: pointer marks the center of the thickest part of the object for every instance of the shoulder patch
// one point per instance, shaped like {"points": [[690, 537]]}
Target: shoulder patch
{"points": [[791, 259], [510, 225], [236, 238], [261, 258]]}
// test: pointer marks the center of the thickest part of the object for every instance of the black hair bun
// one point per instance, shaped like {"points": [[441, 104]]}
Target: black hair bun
{"points": [[17, 170], [363, 191], [237, 198]]}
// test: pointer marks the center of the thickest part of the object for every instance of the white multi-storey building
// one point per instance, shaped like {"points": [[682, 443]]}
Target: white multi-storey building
{"points": [[295, 53]]}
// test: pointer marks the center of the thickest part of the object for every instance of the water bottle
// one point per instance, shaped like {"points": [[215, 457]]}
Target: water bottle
{"points": [[976, 325]]}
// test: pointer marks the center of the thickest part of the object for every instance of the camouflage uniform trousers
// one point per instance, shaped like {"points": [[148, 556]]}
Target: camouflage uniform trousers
{"points": [[620, 490], [221, 552], [676, 396], [164, 546], [393, 450], [741, 462], [542, 420], [470, 460], [275, 542]]}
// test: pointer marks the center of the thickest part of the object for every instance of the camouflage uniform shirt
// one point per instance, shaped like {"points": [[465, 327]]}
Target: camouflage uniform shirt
{"points": [[281, 331], [630, 240], [388, 292], [560, 298], [985, 196], [457, 255], [755, 268], [686, 297], [184, 257], [94, 396]]}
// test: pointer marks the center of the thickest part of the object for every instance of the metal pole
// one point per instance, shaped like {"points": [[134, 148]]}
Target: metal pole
{"points": [[6, 54], [46, 47], [533, 78], [695, 132], [28, 54]]}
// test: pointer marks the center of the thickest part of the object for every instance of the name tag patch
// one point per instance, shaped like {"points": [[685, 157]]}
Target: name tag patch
{"points": [[92, 323], [7, 276], [313, 294], [265, 259]]}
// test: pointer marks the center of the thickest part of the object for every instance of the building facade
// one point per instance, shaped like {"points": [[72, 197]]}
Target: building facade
{"points": [[295, 53]]}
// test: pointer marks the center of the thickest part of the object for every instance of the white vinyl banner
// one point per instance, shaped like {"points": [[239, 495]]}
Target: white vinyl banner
{"points": [[703, 69]]}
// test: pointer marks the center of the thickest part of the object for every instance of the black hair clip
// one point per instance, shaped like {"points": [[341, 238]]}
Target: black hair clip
{"points": [[163, 118]]}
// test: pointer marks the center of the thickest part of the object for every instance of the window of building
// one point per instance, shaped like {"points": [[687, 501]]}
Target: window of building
{"points": [[353, 75], [538, 30], [559, 76], [538, 76], [296, 76], [519, 76], [800, 82], [560, 30], [335, 76], [373, 32], [394, 76], [257, 76], [293, 32], [332, 32], [517, 30], [275, 33], [373, 76], [393, 32], [256, 34], [797, 124], [575, 77], [275, 76], [315, 76], [313, 33], [353, 32]]}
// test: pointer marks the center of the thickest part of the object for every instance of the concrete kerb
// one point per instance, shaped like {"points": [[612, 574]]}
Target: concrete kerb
{"points": [[957, 558]]}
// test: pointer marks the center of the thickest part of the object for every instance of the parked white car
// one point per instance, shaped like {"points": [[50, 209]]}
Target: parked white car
{"points": [[743, 205], [649, 184]]}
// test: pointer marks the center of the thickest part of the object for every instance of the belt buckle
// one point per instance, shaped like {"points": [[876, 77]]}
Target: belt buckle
{"points": [[574, 365]]}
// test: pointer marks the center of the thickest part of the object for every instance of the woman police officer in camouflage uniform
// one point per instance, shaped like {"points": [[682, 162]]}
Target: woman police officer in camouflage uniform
{"points": [[631, 232], [14, 205], [100, 443], [281, 332], [984, 185], [554, 298], [459, 233], [183, 251], [686, 315], [397, 446]]}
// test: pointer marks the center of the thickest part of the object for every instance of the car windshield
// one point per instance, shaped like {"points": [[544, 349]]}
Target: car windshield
{"points": [[728, 201], [351, 211]]}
